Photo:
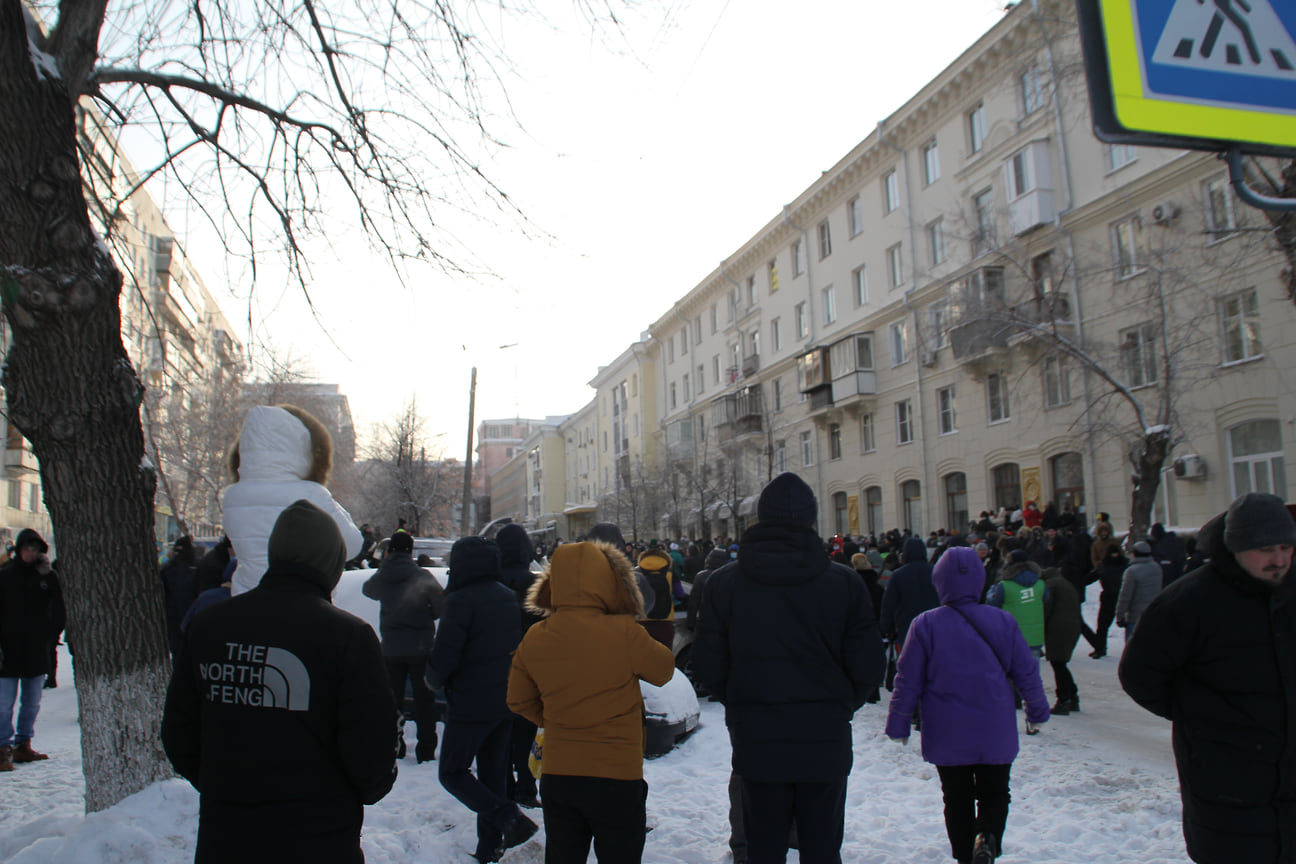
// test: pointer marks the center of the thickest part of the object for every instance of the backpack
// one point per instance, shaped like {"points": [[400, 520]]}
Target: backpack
{"points": [[663, 605]]}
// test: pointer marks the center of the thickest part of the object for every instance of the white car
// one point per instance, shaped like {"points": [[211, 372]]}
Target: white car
{"points": [[671, 712]]}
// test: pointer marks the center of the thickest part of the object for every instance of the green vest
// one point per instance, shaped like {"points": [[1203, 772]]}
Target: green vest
{"points": [[1026, 604]]}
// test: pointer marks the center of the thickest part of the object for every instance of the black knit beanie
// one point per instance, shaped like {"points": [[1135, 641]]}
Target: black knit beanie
{"points": [[307, 537], [787, 498], [1256, 520], [608, 532], [401, 541]]}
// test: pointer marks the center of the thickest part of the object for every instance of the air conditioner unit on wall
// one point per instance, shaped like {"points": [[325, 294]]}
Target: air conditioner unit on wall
{"points": [[1190, 467], [929, 358], [1165, 212]]}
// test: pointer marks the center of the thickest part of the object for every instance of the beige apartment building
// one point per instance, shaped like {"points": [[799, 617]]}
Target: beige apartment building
{"points": [[980, 305]]}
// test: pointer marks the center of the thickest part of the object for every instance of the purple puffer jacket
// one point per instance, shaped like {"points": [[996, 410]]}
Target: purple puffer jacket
{"points": [[968, 716]]}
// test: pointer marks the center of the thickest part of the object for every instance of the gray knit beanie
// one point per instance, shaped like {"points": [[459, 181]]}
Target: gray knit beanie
{"points": [[1256, 520]]}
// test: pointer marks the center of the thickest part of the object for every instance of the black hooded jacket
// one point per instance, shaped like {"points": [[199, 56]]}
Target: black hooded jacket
{"points": [[480, 628], [788, 642], [410, 599], [516, 554], [909, 592], [1215, 653], [281, 715]]}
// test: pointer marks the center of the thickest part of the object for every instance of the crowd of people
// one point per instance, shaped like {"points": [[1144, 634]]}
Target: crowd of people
{"points": [[286, 713]]}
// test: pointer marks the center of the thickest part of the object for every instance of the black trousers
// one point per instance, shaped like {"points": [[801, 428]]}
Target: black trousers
{"points": [[1064, 681], [401, 669], [818, 810], [520, 782], [577, 810], [976, 802], [487, 744], [1106, 613]]}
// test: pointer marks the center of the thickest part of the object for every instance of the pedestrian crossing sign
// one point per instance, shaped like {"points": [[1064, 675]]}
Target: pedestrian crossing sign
{"points": [[1204, 74]]}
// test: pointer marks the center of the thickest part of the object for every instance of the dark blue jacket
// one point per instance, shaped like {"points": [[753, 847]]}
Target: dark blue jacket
{"points": [[910, 591], [788, 642], [516, 554], [410, 599], [481, 625]]}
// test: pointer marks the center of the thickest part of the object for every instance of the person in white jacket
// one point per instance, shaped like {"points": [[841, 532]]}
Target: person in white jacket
{"points": [[283, 454]]}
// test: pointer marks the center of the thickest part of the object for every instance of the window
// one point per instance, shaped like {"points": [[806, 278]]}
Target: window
{"points": [[771, 270], [673, 402], [873, 509], [930, 163], [834, 441], [997, 408], [825, 240], [776, 334], [1032, 96], [701, 378], [684, 340], [890, 192], [1057, 381], [1042, 274], [715, 319], [802, 322], [864, 352], [956, 502], [983, 236], [854, 216], [895, 265], [1256, 458], [829, 305], [670, 350], [1007, 485], [697, 330], [754, 344], [780, 456], [1127, 246], [859, 285], [715, 370], [899, 342], [1240, 323], [938, 319], [778, 394], [904, 422], [1138, 355], [911, 497], [868, 440], [15, 494], [1021, 173], [841, 517], [976, 128], [688, 393], [751, 291], [936, 241], [1221, 221], [1068, 481], [945, 410], [1120, 155], [798, 257], [807, 449]]}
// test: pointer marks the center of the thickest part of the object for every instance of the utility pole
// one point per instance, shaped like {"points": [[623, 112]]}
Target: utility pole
{"points": [[468, 459]]}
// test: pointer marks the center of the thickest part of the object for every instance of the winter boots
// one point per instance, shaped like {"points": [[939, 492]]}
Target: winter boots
{"points": [[6, 758], [23, 752], [984, 850], [1063, 707]]}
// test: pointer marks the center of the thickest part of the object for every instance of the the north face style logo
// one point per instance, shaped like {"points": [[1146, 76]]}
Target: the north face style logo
{"points": [[259, 676]]}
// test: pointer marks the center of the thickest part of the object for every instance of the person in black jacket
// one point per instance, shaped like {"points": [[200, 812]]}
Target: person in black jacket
{"points": [[515, 573], [279, 712], [788, 642], [480, 628], [1214, 653], [179, 588], [909, 593], [31, 615], [410, 599]]}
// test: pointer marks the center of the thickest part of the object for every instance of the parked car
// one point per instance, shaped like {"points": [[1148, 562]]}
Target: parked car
{"points": [[436, 548], [670, 713]]}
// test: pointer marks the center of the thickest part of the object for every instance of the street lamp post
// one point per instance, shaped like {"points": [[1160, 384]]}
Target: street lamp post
{"points": [[468, 459]]}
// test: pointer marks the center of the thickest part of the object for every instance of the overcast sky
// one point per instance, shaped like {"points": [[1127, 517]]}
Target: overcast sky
{"points": [[645, 166]]}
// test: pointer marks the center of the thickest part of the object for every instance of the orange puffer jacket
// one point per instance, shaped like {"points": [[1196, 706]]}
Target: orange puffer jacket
{"points": [[577, 672]]}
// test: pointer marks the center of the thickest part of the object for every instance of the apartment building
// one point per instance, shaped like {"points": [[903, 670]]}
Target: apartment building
{"points": [[981, 304]]}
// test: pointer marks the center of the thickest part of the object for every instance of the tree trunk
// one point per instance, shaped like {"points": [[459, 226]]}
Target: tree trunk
{"points": [[1148, 465], [1284, 225], [71, 390]]}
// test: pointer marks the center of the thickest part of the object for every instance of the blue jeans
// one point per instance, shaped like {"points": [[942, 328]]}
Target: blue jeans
{"points": [[10, 689]]}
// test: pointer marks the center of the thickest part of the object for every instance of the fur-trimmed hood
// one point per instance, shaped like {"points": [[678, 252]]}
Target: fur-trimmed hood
{"points": [[591, 574]]}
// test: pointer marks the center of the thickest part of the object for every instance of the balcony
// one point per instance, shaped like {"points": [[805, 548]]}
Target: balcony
{"points": [[1031, 210], [860, 383], [750, 365]]}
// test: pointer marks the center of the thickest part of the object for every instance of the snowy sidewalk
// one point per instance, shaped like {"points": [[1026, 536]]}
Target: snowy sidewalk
{"points": [[1098, 786]]}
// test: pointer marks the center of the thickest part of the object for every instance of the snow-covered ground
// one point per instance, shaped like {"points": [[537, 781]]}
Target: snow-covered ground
{"points": [[1098, 786]]}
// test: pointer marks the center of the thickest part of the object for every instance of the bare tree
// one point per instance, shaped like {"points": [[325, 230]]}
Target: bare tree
{"points": [[278, 119], [408, 475]]}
